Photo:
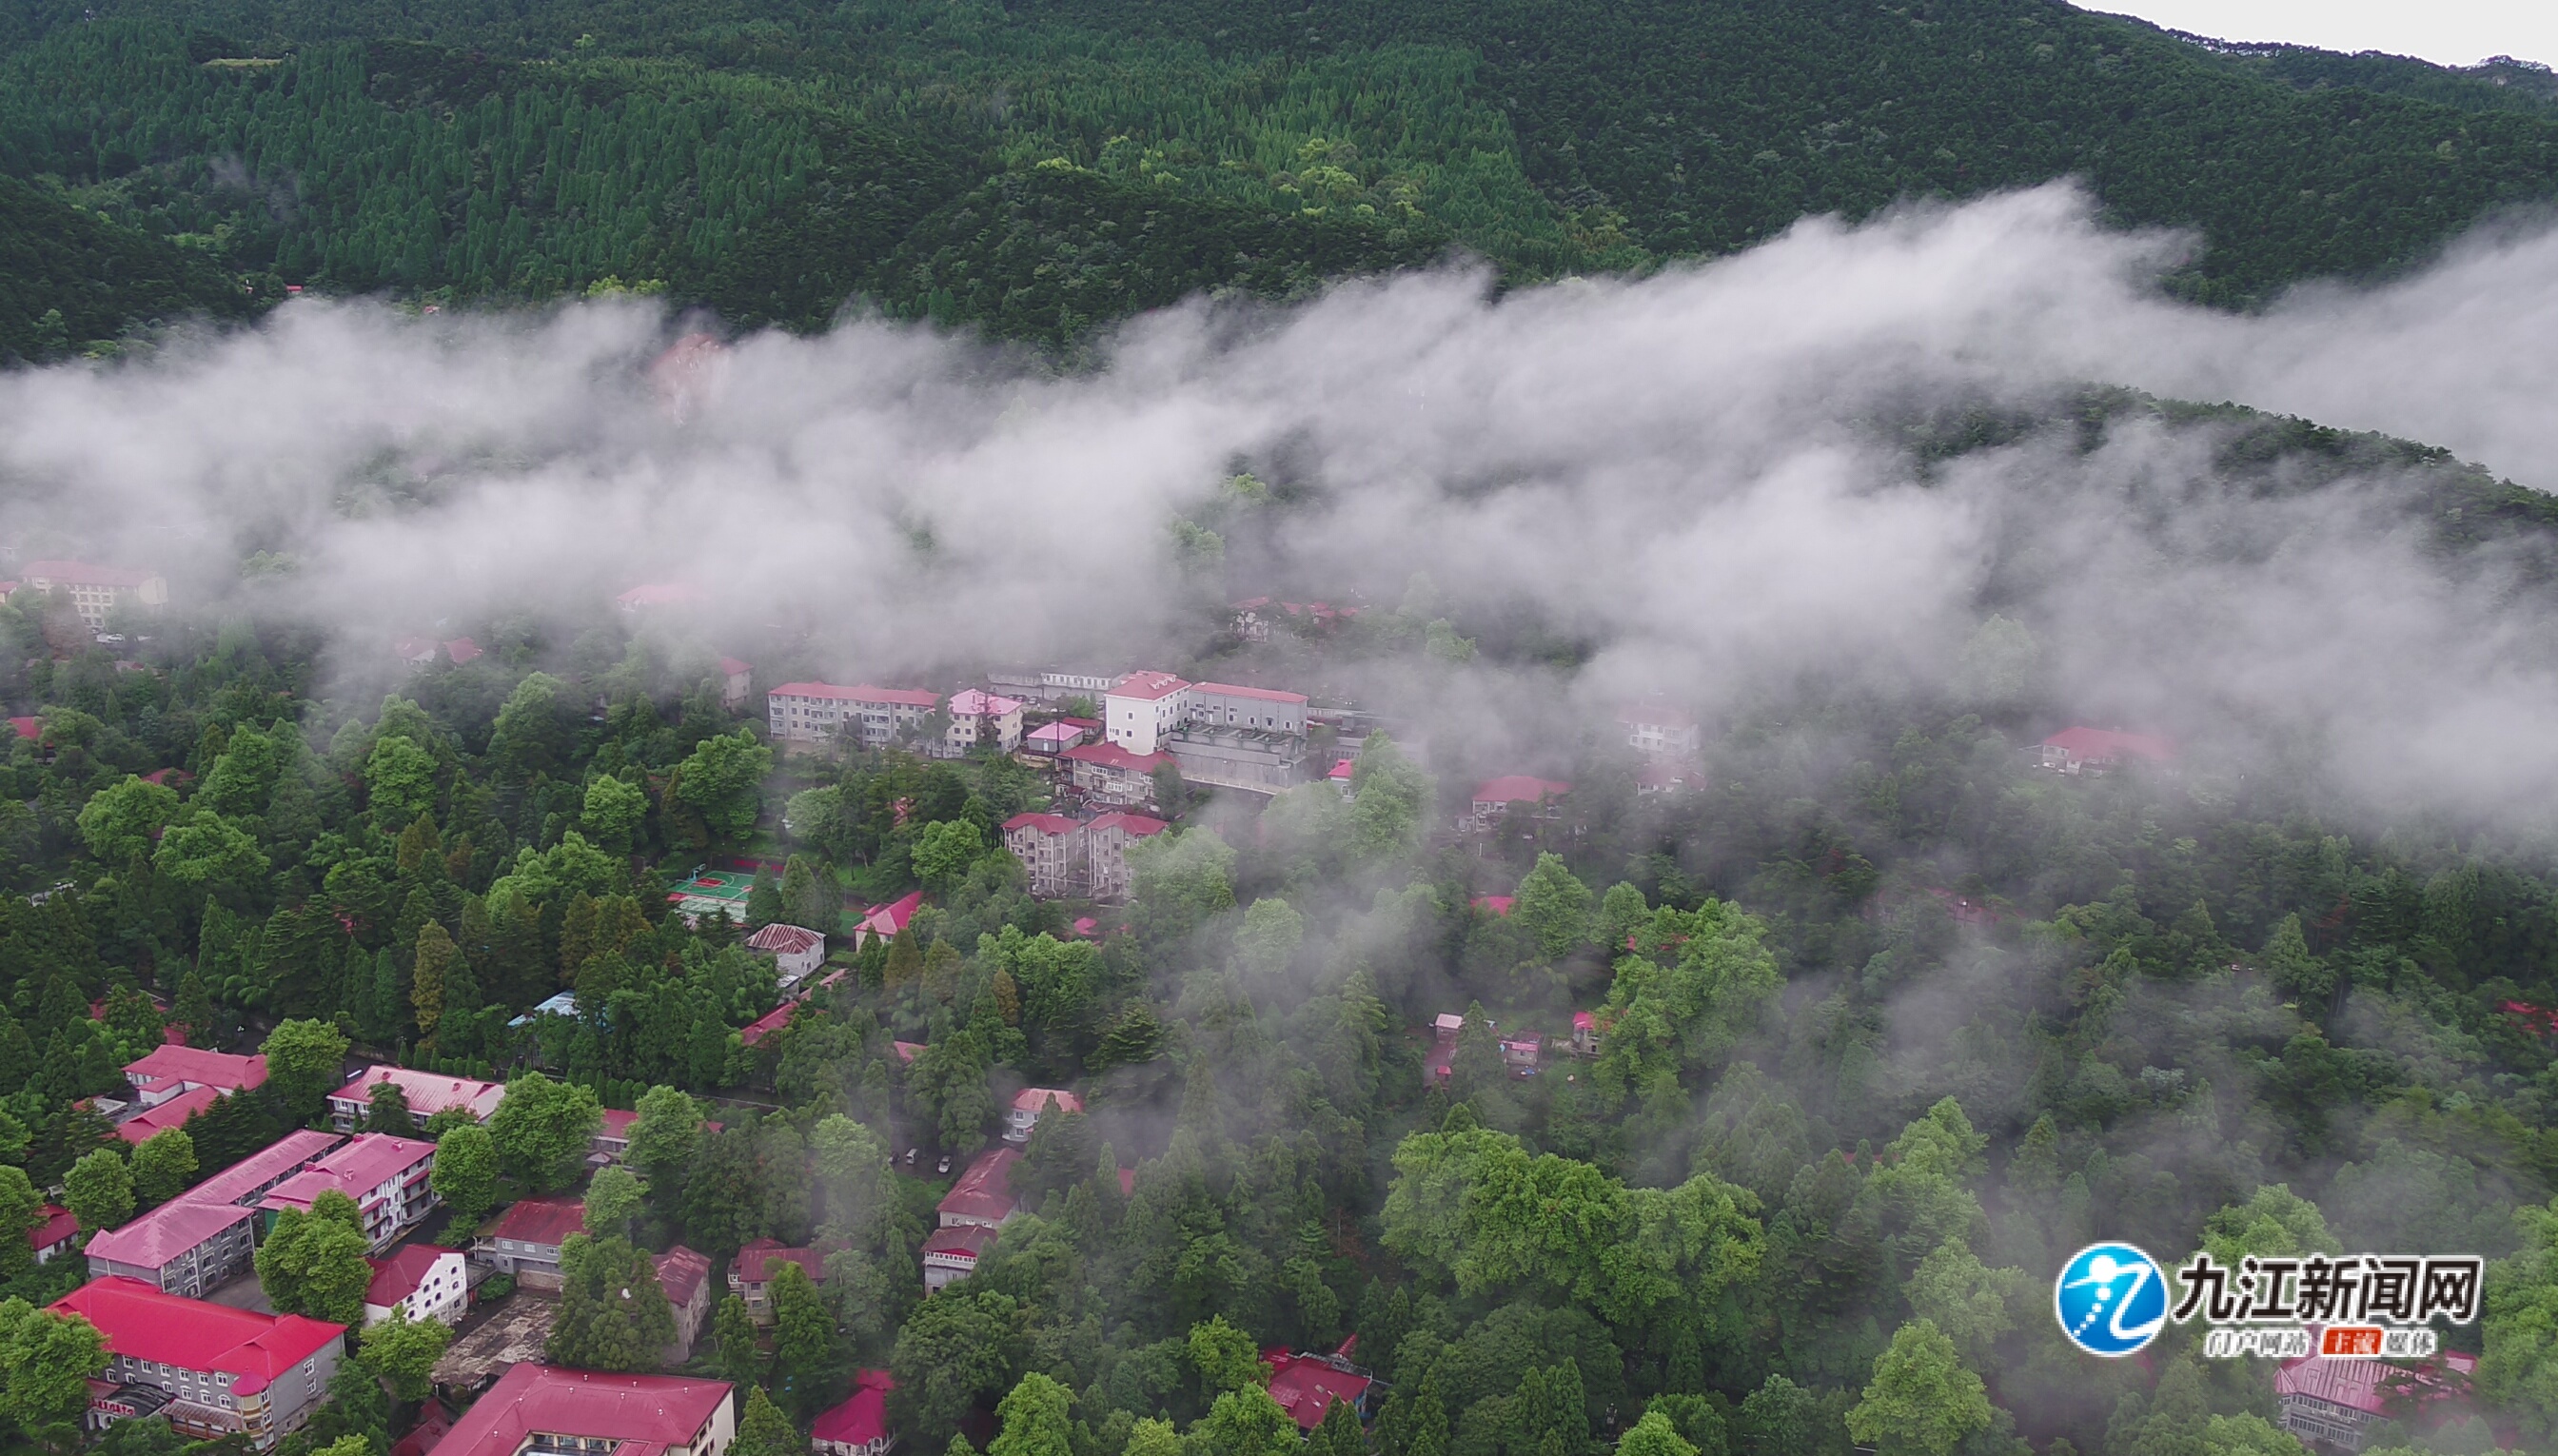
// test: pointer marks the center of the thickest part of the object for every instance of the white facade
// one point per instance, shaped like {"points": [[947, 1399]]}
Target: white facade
{"points": [[441, 1296], [1142, 707], [809, 712]]}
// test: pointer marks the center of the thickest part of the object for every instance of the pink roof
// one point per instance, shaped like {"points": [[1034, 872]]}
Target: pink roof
{"points": [[1040, 1098], [28, 727], [766, 1024], [1147, 686], [428, 1093], [731, 667], [544, 1222], [1266, 694], [1497, 903], [2104, 743], [1519, 787], [1045, 824], [638, 1411], [1306, 1389], [912, 697], [984, 1191], [1342, 768], [661, 594], [863, 1417], [1137, 825], [170, 1114], [972, 1240], [461, 650], [972, 703], [397, 1278], [2357, 1382], [86, 573], [219, 1070], [1058, 732], [1086, 925], [1127, 1181], [1583, 1021], [432, 1423], [784, 940], [362, 1165], [60, 1225], [755, 1263], [141, 1323], [1112, 756], [242, 1180], [891, 919], [165, 1233], [816, 689], [907, 1051], [616, 1123], [680, 1272]]}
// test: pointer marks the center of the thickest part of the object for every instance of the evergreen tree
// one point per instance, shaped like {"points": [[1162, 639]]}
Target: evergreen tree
{"points": [[737, 1359], [613, 1314], [764, 1430]]}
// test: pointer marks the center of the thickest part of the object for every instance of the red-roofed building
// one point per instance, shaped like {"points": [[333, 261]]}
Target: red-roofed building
{"points": [[750, 1274], [858, 1426], [906, 1052], [980, 718], [1520, 1054], [1048, 740], [888, 921], [1141, 708], [810, 712], [419, 1281], [1585, 1034], [428, 1093], [983, 1195], [386, 1176], [461, 650], [97, 590], [613, 1135], [767, 1024], [433, 1423], [54, 1235], [952, 1255], [1033, 1102], [1496, 904], [1340, 777], [1111, 775], [29, 728], [1498, 797], [880, 715], [2102, 750], [2331, 1399], [1050, 849], [1106, 842], [685, 1276], [172, 1112], [524, 1241], [736, 680], [795, 950], [1261, 709], [542, 1407], [221, 1371], [169, 1071], [205, 1235], [1307, 1385]]}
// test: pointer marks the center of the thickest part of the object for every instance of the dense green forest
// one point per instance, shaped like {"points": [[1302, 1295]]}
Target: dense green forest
{"points": [[773, 160], [1807, 1195]]}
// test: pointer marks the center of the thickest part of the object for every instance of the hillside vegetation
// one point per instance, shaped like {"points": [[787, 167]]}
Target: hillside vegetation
{"points": [[767, 158]]}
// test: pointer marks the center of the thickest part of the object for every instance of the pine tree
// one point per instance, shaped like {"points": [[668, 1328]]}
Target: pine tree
{"points": [[193, 1011], [764, 1430], [613, 1314], [429, 981], [577, 936], [738, 1361]]}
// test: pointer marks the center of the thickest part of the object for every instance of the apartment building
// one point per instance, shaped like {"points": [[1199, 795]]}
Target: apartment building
{"points": [[96, 591], [213, 1371], [549, 1411], [386, 1176]]}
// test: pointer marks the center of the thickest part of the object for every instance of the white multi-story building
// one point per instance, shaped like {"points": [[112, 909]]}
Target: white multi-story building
{"points": [[1106, 841], [888, 712], [1050, 849], [97, 590], [981, 718], [550, 1411], [810, 712], [1261, 709], [1657, 730], [1143, 707], [419, 1281]]}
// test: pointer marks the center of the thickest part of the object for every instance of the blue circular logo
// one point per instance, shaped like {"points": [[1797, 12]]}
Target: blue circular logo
{"points": [[2110, 1299]]}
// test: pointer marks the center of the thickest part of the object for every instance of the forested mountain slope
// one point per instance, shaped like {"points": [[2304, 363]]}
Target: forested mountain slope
{"points": [[765, 156]]}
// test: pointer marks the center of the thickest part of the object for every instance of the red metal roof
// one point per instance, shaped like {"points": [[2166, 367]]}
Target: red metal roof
{"points": [[28, 727], [241, 1180], [766, 1024], [784, 940], [1305, 1389], [2105, 743], [1112, 756], [889, 919], [397, 1278], [1342, 768], [60, 1225], [907, 1051], [1040, 1098], [1137, 825], [545, 1222], [912, 697], [680, 1272], [165, 1233], [428, 1093], [461, 650], [1519, 787], [972, 703], [863, 1417], [432, 1423], [984, 1192], [1266, 694], [217, 1070], [731, 667], [367, 1163], [972, 1240], [142, 1323], [1147, 686], [170, 1114], [2356, 1383], [755, 1261], [616, 1123], [1497, 903], [828, 690], [1045, 824], [655, 1410]]}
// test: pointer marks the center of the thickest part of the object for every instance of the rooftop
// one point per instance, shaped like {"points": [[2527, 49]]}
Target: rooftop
{"points": [[142, 1323], [766, 1024], [1040, 1098], [1045, 824], [1306, 1388], [170, 1114], [165, 1233], [1138, 825], [972, 1240], [245, 1179], [911, 697], [1112, 756], [755, 1260], [543, 1222], [972, 703], [816, 689], [217, 1070], [362, 1165], [986, 1190], [517, 1329], [1058, 732], [863, 1417], [891, 919], [680, 1272], [428, 1093], [397, 1278], [1147, 686], [1266, 694], [616, 1123], [659, 1411], [784, 940], [60, 1226]]}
